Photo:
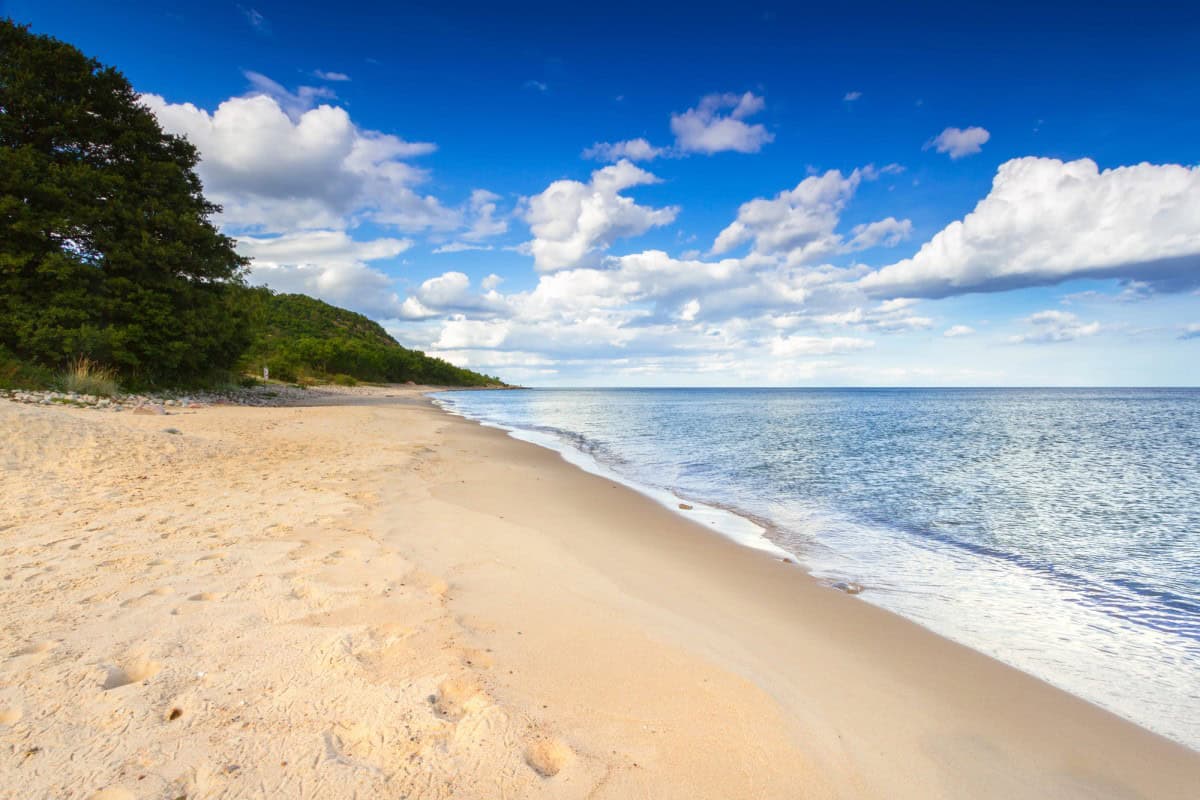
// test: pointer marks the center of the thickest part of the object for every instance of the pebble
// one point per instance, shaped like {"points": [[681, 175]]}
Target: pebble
{"points": [[156, 403]]}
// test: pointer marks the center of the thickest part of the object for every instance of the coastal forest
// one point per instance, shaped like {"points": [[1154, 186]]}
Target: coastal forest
{"points": [[109, 255]]}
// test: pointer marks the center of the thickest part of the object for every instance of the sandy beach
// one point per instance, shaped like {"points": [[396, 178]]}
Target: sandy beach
{"points": [[365, 596]]}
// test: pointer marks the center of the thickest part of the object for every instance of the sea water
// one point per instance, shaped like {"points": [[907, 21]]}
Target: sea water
{"points": [[1055, 529]]}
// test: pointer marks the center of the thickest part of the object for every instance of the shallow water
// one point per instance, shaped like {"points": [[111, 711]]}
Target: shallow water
{"points": [[1056, 529]]}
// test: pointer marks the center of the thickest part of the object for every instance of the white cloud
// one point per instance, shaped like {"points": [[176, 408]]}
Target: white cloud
{"points": [[336, 77], [852, 96], [801, 223], [633, 149], [539, 86], [256, 19], [1055, 326], [294, 103], [573, 222], [705, 129], [1190, 331], [460, 247], [464, 333], [816, 345], [273, 172], [887, 232], [959, 142], [450, 293], [955, 331], [482, 212], [326, 264], [1046, 221]]}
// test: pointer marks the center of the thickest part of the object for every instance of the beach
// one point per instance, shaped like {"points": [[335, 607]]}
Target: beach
{"points": [[367, 596]]}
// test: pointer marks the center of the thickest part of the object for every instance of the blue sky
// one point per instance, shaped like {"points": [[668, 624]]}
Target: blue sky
{"points": [[928, 194]]}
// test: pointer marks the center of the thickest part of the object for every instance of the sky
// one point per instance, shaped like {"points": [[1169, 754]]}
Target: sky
{"points": [[927, 194]]}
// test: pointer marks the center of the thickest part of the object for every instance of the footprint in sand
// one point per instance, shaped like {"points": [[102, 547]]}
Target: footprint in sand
{"points": [[205, 596], [114, 793], [10, 716], [160, 591], [547, 756], [456, 696], [135, 670], [213, 557], [37, 647]]}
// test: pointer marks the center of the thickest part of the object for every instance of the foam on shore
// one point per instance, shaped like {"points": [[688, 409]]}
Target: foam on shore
{"points": [[723, 521]]}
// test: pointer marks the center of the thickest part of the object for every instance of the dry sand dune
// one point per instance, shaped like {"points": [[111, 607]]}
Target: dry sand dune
{"points": [[369, 598]]}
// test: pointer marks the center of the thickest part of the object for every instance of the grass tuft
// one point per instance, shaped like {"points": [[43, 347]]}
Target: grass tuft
{"points": [[85, 376]]}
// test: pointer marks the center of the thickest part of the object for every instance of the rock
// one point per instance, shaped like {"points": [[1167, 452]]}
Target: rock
{"points": [[685, 507], [143, 408], [849, 587]]}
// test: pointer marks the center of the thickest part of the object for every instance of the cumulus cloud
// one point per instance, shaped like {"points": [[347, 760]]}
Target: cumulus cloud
{"points": [[574, 222], [959, 142], [633, 150], [1046, 221], [801, 223], [273, 171], [955, 331], [1190, 331], [718, 124], [450, 293], [326, 264], [1055, 326], [852, 96]]}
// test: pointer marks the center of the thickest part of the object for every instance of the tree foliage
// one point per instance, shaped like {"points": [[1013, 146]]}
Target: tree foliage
{"points": [[106, 248], [297, 336]]}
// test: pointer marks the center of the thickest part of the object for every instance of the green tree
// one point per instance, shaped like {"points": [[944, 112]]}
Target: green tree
{"points": [[106, 248]]}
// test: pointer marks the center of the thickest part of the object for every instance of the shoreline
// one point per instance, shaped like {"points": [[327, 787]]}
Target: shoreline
{"points": [[370, 594], [748, 530]]}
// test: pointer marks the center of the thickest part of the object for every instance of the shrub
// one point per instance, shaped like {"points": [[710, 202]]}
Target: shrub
{"points": [[18, 374]]}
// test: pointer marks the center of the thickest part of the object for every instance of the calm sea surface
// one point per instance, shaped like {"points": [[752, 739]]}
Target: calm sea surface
{"points": [[1056, 529]]}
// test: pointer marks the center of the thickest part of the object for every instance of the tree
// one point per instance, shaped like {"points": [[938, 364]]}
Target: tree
{"points": [[106, 248]]}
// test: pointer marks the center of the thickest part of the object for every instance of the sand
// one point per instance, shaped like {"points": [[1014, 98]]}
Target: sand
{"points": [[367, 597]]}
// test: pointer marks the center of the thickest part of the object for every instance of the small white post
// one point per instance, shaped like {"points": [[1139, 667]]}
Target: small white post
{"points": [[266, 373]]}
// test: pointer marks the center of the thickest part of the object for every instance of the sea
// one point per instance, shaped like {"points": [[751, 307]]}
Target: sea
{"points": [[1057, 530]]}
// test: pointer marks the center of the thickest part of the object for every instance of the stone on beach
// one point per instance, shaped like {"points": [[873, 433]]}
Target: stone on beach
{"points": [[144, 408]]}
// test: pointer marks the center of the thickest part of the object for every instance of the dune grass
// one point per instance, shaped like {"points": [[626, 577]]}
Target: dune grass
{"points": [[85, 376]]}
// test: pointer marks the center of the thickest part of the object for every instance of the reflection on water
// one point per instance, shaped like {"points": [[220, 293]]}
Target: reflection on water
{"points": [[1058, 530]]}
